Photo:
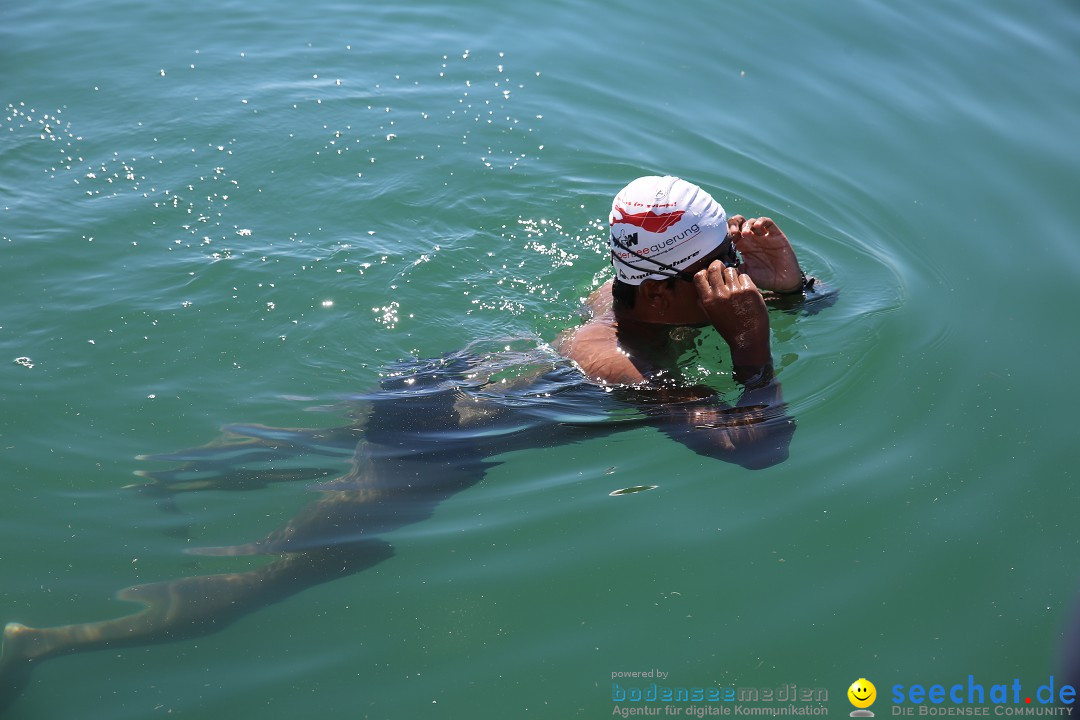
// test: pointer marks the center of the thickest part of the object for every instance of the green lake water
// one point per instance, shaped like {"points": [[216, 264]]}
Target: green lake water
{"points": [[232, 212]]}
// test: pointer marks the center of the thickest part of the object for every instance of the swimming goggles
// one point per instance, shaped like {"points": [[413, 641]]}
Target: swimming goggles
{"points": [[729, 258]]}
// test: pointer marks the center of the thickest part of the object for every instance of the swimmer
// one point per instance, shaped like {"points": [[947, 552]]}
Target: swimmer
{"points": [[676, 258], [432, 428]]}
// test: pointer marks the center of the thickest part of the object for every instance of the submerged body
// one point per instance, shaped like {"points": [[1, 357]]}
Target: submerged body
{"points": [[425, 435]]}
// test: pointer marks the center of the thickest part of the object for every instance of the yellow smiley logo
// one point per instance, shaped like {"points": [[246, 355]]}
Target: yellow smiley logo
{"points": [[862, 693]]}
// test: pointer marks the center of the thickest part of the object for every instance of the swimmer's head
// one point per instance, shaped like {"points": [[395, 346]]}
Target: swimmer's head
{"points": [[660, 225]]}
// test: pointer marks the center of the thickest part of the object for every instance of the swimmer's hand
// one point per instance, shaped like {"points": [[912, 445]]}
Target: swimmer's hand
{"points": [[767, 255], [736, 309]]}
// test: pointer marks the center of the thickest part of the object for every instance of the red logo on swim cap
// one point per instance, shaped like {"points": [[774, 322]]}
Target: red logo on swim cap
{"points": [[650, 221]]}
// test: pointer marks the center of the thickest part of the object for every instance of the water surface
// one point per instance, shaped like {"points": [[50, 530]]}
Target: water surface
{"points": [[230, 213]]}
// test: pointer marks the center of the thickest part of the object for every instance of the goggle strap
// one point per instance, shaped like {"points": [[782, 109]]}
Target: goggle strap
{"points": [[675, 272]]}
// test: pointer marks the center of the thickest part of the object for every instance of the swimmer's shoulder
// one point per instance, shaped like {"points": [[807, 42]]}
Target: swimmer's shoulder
{"points": [[599, 302], [594, 346]]}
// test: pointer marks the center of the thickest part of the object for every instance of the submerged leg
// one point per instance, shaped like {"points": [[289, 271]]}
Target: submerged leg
{"points": [[230, 462], [183, 608], [243, 443], [371, 499], [191, 478], [327, 539], [390, 484]]}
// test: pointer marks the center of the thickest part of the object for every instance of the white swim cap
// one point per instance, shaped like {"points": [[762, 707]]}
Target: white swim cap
{"points": [[660, 225]]}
